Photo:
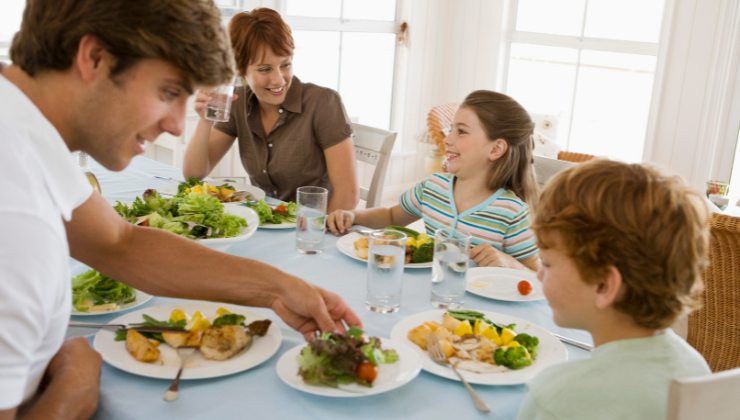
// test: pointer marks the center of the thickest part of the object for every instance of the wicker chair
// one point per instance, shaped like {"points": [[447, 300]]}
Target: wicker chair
{"points": [[714, 330], [439, 120], [574, 157]]}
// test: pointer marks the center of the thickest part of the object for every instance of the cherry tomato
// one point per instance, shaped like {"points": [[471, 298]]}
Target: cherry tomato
{"points": [[367, 372], [524, 287], [281, 209]]}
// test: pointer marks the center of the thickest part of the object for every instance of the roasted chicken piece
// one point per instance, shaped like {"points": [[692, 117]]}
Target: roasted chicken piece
{"points": [[223, 342], [141, 348]]}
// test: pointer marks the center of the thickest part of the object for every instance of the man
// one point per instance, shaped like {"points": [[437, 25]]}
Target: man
{"points": [[104, 77]]}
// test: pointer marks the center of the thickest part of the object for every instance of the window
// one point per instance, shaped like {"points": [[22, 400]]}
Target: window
{"points": [[11, 12], [590, 64], [349, 46]]}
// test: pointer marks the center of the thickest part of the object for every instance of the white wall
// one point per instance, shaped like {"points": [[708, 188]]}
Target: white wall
{"points": [[455, 47]]}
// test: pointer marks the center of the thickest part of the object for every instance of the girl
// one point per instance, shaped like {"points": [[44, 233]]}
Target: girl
{"points": [[485, 193]]}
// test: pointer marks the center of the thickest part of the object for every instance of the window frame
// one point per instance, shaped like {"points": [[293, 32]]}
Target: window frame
{"points": [[579, 43], [342, 25]]}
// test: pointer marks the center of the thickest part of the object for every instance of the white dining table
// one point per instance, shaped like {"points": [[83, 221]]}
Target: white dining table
{"points": [[258, 393]]}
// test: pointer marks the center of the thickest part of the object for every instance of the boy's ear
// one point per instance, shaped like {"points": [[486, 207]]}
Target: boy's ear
{"points": [[609, 288], [498, 148], [91, 58]]}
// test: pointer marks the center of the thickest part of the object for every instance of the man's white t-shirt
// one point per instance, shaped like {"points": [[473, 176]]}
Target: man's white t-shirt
{"points": [[40, 185]]}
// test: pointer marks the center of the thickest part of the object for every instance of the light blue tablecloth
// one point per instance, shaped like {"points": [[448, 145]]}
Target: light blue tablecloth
{"points": [[259, 393]]}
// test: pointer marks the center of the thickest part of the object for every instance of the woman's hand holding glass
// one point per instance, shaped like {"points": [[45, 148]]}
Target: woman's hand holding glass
{"points": [[339, 221]]}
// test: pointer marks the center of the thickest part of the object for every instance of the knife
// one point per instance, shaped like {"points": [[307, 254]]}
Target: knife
{"points": [[116, 327]]}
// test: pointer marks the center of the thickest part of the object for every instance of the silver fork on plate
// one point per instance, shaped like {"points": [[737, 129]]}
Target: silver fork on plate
{"points": [[438, 355], [184, 354]]}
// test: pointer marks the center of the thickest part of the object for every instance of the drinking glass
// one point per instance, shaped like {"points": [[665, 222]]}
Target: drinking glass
{"points": [[310, 219], [449, 265], [385, 263], [218, 106]]}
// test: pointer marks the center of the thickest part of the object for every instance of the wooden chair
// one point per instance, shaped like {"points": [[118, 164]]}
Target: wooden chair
{"points": [[709, 396], [373, 148], [574, 157], [714, 330]]}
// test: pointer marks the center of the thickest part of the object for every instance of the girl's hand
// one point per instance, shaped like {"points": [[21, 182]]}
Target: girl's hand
{"points": [[339, 221], [484, 255]]}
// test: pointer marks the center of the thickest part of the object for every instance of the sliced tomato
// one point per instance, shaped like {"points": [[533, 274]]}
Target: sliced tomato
{"points": [[367, 372], [524, 287], [281, 209]]}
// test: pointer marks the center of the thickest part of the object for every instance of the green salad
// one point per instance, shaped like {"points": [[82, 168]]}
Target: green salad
{"points": [[191, 214], [282, 213], [335, 359], [92, 291]]}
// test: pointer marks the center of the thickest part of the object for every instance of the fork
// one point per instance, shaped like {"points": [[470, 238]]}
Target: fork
{"points": [[184, 354], [437, 354]]}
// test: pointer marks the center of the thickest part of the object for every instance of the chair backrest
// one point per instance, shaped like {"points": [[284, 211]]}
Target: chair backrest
{"points": [[709, 396], [545, 168], [373, 146], [439, 120], [714, 330]]}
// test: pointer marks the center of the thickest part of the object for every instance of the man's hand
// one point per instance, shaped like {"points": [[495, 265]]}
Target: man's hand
{"points": [[308, 308], [71, 384]]}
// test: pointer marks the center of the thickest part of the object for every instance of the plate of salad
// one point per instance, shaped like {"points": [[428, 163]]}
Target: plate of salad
{"points": [[193, 215], [280, 216], [96, 294], [228, 192], [349, 365], [490, 348]]}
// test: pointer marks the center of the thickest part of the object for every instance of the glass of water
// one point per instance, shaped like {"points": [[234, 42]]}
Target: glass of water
{"points": [[385, 261], [449, 265], [310, 219], [218, 107]]}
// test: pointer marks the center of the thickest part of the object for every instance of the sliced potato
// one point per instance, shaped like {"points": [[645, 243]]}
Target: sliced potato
{"points": [[140, 347]]}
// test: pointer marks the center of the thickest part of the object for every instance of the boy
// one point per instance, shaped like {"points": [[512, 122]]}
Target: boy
{"points": [[622, 249]]}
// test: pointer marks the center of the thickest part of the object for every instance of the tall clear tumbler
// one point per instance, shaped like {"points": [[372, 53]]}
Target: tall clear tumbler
{"points": [[310, 219], [449, 266], [387, 251]]}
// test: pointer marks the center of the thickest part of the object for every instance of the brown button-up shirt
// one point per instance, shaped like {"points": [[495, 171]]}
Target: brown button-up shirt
{"points": [[312, 119]]}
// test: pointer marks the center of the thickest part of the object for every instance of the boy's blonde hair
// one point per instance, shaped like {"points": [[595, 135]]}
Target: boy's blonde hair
{"points": [[652, 227], [503, 118]]}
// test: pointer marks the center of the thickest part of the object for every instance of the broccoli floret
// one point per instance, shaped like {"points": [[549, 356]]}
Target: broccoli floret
{"points": [[528, 341], [513, 357], [423, 253]]}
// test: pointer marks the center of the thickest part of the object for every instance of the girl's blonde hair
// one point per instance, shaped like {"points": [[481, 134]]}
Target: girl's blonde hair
{"points": [[503, 118]]}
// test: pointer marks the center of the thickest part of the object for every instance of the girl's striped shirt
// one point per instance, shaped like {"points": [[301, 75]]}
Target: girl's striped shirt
{"points": [[502, 220]]}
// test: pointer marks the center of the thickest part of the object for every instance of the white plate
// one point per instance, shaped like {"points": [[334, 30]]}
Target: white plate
{"points": [[346, 245], [237, 209], [284, 225], [255, 192], [550, 352], [197, 367], [501, 284], [141, 298], [390, 376]]}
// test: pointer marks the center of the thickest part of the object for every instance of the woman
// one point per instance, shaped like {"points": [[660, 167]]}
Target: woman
{"points": [[290, 133]]}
